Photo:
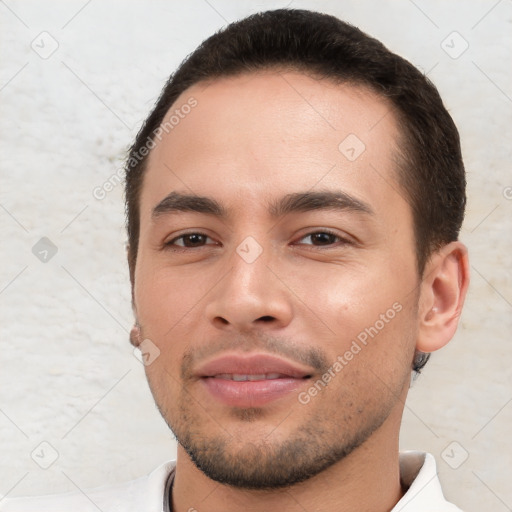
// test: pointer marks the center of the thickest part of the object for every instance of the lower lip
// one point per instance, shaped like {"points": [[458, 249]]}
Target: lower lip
{"points": [[250, 393]]}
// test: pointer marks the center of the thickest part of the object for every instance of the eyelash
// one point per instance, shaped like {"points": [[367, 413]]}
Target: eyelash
{"points": [[171, 244]]}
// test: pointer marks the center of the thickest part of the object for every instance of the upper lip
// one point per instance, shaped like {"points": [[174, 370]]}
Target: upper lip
{"points": [[254, 364]]}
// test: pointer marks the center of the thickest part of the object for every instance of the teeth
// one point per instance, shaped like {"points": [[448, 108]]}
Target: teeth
{"points": [[241, 377]]}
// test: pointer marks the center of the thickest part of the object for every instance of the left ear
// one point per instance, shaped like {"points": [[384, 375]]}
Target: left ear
{"points": [[443, 290], [135, 334]]}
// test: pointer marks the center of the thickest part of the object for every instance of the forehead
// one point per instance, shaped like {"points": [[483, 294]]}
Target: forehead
{"points": [[272, 132]]}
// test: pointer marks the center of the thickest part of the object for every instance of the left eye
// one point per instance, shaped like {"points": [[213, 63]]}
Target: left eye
{"points": [[321, 238]]}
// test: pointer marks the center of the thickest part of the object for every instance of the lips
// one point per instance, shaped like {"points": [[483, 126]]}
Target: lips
{"points": [[251, 380], [253, 364], [241, 378]]}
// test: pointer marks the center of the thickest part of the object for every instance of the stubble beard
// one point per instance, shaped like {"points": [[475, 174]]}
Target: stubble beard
{"points": [[264, 463]]}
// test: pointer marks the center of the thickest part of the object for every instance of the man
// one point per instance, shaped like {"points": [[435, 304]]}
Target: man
{"points": [[293, 202]]}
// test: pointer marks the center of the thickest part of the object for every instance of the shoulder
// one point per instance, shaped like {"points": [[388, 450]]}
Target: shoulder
{"points": [[139, 495]]}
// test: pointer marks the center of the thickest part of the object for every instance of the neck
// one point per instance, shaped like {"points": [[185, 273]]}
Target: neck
{"points": [[368, 479]]}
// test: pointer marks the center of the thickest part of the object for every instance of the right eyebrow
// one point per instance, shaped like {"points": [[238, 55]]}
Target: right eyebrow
{"points": [[177, 202]]}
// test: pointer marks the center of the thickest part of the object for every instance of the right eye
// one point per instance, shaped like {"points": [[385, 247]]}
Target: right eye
{"points": [[189, 240]]}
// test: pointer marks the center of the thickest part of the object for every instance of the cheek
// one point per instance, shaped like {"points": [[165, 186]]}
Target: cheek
{"points": [[170, 309], [360, 315], [346, 299], [163, 297]]}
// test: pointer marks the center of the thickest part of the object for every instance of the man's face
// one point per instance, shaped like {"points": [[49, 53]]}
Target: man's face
{"points": [[279, 289]]}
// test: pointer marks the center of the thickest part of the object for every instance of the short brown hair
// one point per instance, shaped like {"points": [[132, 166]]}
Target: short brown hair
{"points": [[430, 172]]}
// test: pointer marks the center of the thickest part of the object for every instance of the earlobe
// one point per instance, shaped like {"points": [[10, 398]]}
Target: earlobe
{"points": [[443, 291]]}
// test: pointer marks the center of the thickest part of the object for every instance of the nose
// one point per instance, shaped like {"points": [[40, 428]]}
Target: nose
{"points": [[250, 296]]}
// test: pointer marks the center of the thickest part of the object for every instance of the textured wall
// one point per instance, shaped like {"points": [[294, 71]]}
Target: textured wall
{"points": [[67, 373]]}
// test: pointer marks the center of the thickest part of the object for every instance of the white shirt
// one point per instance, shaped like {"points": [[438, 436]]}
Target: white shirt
{"points": [[150, 493]]}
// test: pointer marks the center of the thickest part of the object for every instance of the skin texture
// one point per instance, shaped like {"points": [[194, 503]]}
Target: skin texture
{"points": [[250, 141]]}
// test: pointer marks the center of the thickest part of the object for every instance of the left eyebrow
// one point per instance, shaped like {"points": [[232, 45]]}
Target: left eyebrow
{"points": [[324, 200]]}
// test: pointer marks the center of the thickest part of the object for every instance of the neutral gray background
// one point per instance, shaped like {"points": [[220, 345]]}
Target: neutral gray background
{"points": [[68, 376]]}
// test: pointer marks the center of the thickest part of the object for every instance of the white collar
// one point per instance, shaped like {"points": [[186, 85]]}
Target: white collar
{"points": [[149, 493], [418, 472]]}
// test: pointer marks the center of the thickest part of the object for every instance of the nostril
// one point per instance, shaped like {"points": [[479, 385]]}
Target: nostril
{"points": [[266, 318]]}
